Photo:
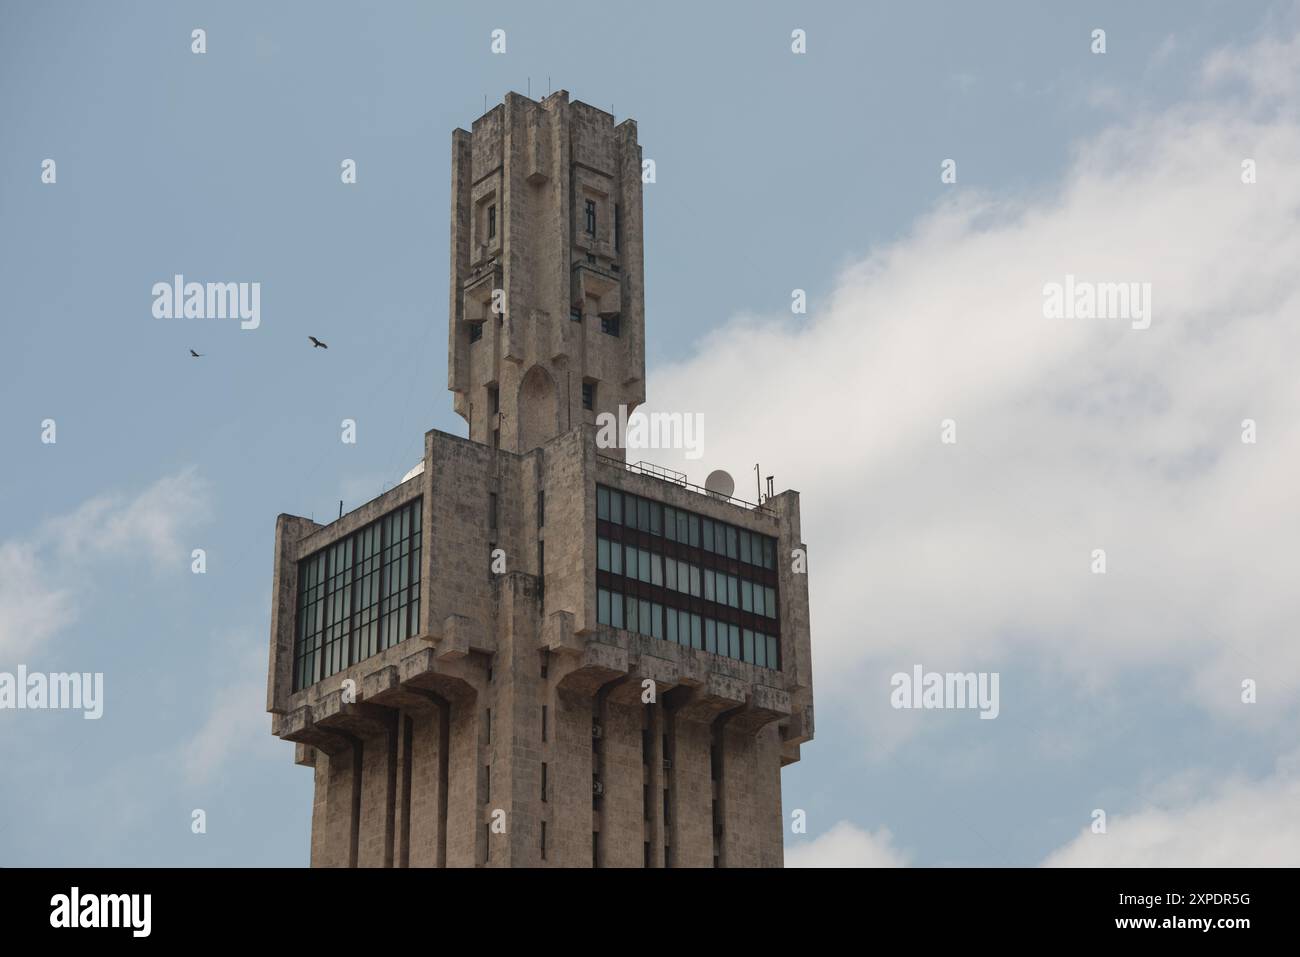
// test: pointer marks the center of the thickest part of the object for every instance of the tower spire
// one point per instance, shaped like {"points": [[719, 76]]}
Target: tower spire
{"points": [[547, 292]]}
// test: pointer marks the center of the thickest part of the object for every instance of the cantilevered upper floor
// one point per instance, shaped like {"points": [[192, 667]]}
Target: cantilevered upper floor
{"points": [[559, 554]]}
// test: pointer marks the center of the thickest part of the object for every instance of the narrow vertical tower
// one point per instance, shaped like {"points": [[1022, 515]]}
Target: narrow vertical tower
{"points": [[530, 652], [547, 296]]}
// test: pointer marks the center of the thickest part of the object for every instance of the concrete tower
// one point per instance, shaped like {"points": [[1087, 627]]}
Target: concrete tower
{"points": [[530, 652], [547, 291]]}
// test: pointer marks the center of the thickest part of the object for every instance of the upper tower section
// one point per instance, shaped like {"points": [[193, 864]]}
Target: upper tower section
{"points": [[547, 317]]}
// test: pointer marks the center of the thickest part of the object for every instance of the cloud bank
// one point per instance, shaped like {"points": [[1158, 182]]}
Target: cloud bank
{"points": [[846, 845], [1071, 434], [1236, 823], [42, 574], [1191, 821]]}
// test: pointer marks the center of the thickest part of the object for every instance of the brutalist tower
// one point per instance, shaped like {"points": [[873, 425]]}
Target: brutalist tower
{"points": [[531, 652]]}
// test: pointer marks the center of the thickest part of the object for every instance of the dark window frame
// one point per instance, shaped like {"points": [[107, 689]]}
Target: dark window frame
{"points": [[358, 596], [633, 533]]}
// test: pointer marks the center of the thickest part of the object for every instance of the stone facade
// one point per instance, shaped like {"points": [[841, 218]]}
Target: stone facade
{"points": [[521, 184], [512, 728]]}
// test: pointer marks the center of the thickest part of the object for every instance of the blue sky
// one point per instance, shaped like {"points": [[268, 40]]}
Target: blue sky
{"points": [[774, 172]]}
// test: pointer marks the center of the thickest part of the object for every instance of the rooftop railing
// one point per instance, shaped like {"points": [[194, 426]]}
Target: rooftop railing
{"points": [[679, 478]]}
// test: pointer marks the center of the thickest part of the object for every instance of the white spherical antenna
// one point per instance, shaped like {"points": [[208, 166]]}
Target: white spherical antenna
{"points": [[720, 484], [418, 470]]}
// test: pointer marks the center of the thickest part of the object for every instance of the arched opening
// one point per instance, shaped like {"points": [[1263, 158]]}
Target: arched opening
{"points": [[538, 409]]}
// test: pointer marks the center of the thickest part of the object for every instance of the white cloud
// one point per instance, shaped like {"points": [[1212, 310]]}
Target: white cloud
{"points": [[1186, 820], [846, 845], [237, 721], [38, 592], [1270, 69], [1240, 823], [1072, 434], [31, 610], [150, 525]]}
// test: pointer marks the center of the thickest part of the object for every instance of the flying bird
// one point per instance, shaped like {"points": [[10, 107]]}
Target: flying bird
{"points": [[316, 343], [196, 354]]}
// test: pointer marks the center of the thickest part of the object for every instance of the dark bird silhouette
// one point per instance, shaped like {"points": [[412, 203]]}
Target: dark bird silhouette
{"points": [[195, 354], [316, 343]]}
